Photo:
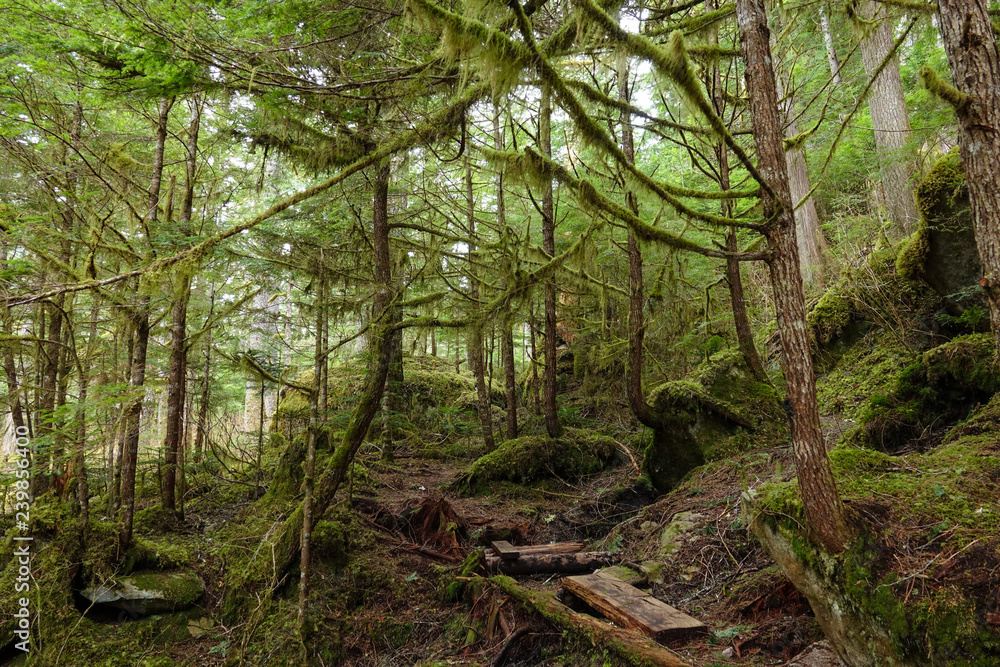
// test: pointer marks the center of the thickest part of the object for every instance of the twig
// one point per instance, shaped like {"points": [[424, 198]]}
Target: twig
{"points": [[630, 457], [498, 659]]}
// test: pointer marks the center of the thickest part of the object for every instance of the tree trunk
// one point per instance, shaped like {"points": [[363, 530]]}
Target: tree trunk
{"points": [[506, 319], [831, 52], [971, 46], [137, 381], [741, 322], [535, 389], [201, 432], [889, 120], [808, 234], [130, 455], [80, 452], [309, 466], [636, 299], [176, 381], [552, 425], [485, 409], [824, 512]]}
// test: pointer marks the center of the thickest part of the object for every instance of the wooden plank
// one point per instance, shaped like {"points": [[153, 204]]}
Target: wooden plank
{"points": [[632, 608], [633, 648], [506, 550], [586, 561], [553, 548]]}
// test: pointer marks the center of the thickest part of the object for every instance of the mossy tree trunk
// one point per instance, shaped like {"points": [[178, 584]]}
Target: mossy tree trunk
{"points": [[177, 378], [288, 545], [506, 320], [823, 508], [971, 46], [889, 118], [201, 426], [476, 330], [552, 425]]}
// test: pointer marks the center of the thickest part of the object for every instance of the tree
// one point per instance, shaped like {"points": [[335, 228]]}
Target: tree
{"points": [[971, 45], [889, 118], [820, 499]]}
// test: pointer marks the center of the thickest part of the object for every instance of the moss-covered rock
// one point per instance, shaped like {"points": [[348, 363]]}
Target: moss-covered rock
{"points": [[720, 409], [524, 460], [145, 593], [943, 250], [931, 394]]}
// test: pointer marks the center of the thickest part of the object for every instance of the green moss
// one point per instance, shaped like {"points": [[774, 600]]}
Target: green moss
{"points": [[936, 390], [531, 458], [718, 411], [830, 316], [913, 254], [864, 372], [945, 498]]}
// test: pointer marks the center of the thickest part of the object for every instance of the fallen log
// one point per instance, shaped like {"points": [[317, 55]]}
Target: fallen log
{"points": [[635, 649], [585, 561]]}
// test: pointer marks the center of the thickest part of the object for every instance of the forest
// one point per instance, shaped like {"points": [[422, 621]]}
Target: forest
{"points": [[467, 332]]}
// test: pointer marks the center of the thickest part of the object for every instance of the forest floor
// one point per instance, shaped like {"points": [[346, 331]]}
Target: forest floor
{"points": [[714, 571]]}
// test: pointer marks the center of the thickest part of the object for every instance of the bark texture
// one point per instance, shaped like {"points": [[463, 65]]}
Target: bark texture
{"points": [[823, 508], [889, 120], [971, 46]]}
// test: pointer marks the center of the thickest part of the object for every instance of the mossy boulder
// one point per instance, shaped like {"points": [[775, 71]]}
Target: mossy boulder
{"points": [[719, 410], [531, 458], [931, 394], [145, 593], [942, 252]]}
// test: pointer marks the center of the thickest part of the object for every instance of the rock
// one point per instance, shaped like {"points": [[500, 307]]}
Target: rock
{"points": [[673, 535], [943, 251], [145, 593], [820, 654], [715, 412]]}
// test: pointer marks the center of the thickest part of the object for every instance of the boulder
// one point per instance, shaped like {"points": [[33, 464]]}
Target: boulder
{"points": [[145, 593], [942, 252], [717, 411]]}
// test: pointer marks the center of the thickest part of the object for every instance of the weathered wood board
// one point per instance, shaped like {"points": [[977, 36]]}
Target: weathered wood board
{"points": [[632, 608], [586, 561], [506, 550]]}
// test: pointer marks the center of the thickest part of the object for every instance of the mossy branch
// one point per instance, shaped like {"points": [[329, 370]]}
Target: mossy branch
{"points": [[249, 363], [532, 162], [196, 253], [958, 100], [673, 63]]}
